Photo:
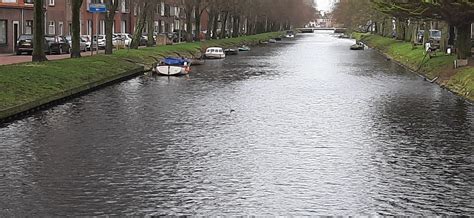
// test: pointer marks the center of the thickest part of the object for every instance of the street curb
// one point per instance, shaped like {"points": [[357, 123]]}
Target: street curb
{"points": [[19, 111]]}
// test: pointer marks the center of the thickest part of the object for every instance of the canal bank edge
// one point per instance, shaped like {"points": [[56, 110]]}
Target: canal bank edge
{"points": [[23, 109], [28, 87], [438, 69]]}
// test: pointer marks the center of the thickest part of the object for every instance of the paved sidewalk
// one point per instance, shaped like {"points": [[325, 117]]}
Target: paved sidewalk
{"points": [[6, 59]]}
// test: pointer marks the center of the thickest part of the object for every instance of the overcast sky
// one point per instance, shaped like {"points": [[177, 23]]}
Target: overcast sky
{"points": [[323, 4]]}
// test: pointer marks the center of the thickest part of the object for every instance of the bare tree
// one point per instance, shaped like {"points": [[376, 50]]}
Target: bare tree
{"points": [[142, 15], [76, 28], [109, 24], [38, 32]]}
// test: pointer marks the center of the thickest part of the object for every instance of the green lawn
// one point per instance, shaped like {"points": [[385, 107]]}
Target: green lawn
{"points": [[28, 82], [460, 81]]}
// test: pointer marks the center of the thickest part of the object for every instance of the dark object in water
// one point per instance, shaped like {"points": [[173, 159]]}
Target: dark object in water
{"points": [[278, 38], [231, 51], [197, 62], [358, 46]]}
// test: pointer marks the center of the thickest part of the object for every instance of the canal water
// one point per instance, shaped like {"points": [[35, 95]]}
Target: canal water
{"points": [[303, 127]]}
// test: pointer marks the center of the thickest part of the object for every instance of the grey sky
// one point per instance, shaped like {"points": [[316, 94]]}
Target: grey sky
{"points": [[324, 5]]}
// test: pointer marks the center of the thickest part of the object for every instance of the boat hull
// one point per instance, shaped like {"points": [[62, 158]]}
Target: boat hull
{"points": [[214, 56], [166, 70]]}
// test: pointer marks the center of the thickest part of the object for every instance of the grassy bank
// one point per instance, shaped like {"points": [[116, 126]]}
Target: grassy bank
{"points": [[439, 67], [22, 84]]}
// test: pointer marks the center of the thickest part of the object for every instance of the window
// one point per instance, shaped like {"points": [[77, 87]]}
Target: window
{"points": [[8, 1], [51, 28], [102, 27], [472, 31], [61, 28], [123, 28], [29, 1], [3, 32], [89, 27], [29, 27], [125, 6], [51, 2]]}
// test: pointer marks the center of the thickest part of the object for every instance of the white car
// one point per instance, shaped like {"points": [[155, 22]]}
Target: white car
{"points": [[124, 38], [87, 41], [100, 40], [215, 53], [82, 43]]}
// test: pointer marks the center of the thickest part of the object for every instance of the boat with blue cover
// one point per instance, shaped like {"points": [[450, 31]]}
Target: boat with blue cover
{"points": [[173, 67]]}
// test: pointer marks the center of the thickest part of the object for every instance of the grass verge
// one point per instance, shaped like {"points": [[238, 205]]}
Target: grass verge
{"points": [[22, 84], [439, 67]]}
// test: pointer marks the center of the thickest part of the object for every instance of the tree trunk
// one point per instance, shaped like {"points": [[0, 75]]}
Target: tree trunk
{"points": [[38, 32], [76, 29], [235, 25], [443, 43], [224, 25], [426, 34], [109, 25], [197, 19], [215, 24], [137, 35], [189, 25], [210, 25], [151, 26], [452, 35], [463, 40]]}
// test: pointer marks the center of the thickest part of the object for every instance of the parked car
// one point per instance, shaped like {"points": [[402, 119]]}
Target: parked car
{"points": [[24, 44], [100, 40], [435, 36], [57, 44], [82, 43], [122, 37], [179, 36], [87, 40], [144, 39]]}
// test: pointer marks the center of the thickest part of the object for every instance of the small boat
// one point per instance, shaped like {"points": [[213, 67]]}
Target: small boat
{"points": [[244, 48], [173, 67], [214, 53], [278, 38], [343, 36], [290, 34], [358, 46], [231, 51], [272, 41]]}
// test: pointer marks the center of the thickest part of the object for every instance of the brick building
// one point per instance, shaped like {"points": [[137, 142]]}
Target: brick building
{"points": [[16, 18]]}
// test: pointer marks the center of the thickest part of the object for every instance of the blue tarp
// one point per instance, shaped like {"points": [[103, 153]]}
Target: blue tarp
{"points": [[174, 61]]}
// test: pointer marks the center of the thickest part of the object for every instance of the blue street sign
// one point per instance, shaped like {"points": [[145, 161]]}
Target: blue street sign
{"points": [[97, 8]]}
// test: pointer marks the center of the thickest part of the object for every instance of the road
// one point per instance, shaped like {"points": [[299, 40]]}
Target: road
{"points": [[303, 127]]}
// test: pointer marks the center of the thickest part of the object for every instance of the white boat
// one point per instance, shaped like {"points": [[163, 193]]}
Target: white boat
{"points": [[215, 53], [173, 67], [244, 48], [272, 41]]}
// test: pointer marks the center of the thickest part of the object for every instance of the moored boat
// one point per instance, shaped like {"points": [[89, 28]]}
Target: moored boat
{"points": [[244, 48], [214, 53], [173, 67], [272, 41], [358, 46], [231, 51]]}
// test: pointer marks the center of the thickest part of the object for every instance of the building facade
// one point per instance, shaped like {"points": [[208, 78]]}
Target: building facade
{"points": [[16, 18]]}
